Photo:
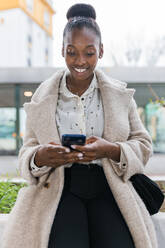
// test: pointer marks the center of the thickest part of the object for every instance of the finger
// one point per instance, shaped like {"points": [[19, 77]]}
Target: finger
{"points": [[53, 143], [85, 159], [74, 155], [90, 154], [84, 148], [66, 156], [91, 139], [62, 160], [73, 160], [88, 158], [66, 149], [58, 149]]}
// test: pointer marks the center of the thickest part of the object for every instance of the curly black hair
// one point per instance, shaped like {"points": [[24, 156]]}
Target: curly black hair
{"points": [[81, 9], [80, 16]]}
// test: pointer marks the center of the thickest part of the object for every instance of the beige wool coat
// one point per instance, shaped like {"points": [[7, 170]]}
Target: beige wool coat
{"points": [[32, 216]]}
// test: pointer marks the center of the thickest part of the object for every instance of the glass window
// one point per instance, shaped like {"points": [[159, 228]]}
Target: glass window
{"points": [[46, 55], [50, 2], [2, 21], [7, 119], [7, 95], [26, 92], [46, 48], [29, 62], [10, 140], [46, 19], [7, 130], [29, 4], [29, 39], [29, 43], [22, 120], [155, 116]]}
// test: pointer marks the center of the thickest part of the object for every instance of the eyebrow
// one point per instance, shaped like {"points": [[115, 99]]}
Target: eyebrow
{"points": [[86, 47]]}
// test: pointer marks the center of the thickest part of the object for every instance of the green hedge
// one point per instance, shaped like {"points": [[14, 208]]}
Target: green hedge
{"points": [[8, 195], [9, 191]]}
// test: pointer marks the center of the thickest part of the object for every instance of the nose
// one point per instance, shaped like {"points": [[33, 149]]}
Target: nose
{"points": [[80, 60]]}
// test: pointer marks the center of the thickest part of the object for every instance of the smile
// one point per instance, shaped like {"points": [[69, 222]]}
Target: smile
{"points": [[80, 70]]}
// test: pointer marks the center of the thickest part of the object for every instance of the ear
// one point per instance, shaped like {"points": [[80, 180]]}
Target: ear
{"points": [[101, 52]]}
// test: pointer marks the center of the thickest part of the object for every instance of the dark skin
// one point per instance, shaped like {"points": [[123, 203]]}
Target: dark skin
{"points": [[81, 49]]}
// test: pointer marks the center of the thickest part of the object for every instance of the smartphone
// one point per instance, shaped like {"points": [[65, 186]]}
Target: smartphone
{"points": [[73, 139]]}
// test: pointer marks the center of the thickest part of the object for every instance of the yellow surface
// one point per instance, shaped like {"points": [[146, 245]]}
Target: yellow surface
{"points": [[8, 4], [37, 15], [49, 31], [48, 5]]}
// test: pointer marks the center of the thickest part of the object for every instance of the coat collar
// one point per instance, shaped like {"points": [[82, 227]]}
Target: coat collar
{"points": [[116, 99], [41, 110]]}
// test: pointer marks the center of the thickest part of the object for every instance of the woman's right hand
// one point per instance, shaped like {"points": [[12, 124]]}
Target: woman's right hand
{"points": [[55, 155]]}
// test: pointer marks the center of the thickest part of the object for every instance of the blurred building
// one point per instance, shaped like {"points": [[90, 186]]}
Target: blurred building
{"points": [[26, 33], [17, 86]]}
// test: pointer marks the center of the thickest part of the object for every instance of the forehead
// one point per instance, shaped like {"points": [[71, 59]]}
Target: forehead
{"points": [[81, 37]]}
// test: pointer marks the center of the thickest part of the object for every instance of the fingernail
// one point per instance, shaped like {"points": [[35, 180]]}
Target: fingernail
{"points": [[80, 155], [73, 146], [67, 150]]}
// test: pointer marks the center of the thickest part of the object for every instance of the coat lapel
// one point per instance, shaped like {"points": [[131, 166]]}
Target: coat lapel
{"points": [[42, 112], [42, 118], [116, 99]]}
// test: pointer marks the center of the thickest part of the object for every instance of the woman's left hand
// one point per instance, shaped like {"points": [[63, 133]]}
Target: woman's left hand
{"points": [[95, 148]]}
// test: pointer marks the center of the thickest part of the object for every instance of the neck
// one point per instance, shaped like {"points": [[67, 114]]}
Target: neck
{"points": [[78, 85]]}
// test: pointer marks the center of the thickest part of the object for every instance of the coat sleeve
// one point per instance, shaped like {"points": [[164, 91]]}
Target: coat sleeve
{"points": [[137, 149], [30, 146]]}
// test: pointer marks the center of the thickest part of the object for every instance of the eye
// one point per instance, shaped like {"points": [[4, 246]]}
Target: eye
{"points": [[71, 53], [89, 54]]}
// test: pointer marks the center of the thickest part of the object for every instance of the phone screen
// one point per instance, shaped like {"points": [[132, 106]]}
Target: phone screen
{"points": [[73, 139]]}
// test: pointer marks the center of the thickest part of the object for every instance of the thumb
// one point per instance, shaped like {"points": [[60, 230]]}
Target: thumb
{"points": [[91, 140], [53, 143]]}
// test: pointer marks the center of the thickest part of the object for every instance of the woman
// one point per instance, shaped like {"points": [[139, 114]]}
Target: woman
{"points": [[81, 197]]}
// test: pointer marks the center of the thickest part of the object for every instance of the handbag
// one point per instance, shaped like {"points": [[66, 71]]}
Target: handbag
{"points": [[149, 192]]}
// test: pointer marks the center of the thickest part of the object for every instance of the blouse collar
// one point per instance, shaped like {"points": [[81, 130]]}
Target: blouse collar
{"points": [[64, 90]]}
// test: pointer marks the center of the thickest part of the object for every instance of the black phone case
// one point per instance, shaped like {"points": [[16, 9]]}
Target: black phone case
{"points": [[73, 139]]}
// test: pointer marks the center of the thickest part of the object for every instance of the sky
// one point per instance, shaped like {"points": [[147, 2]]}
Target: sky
{"points": [[120, 21]]}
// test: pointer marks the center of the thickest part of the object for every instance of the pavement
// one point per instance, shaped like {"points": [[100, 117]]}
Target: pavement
{"points": [[154, 168]]}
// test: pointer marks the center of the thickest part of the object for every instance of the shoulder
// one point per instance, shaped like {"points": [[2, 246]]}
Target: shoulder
{"points": [[109, 81], [49, 86], [114, 89]]}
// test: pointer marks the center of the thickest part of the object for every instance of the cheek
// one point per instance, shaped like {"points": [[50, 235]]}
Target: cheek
{"points": [[93, 61], [68, 60]]}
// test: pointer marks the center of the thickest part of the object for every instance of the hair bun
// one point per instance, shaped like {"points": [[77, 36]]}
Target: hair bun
{"points": [[81, 9]]}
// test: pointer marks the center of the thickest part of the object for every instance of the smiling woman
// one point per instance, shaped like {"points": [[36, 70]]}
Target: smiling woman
{"points": [[82, 48], [81, 51], [81, 197]]}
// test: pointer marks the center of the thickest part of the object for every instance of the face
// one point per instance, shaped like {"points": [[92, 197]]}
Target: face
{"points": [[81, 50]]}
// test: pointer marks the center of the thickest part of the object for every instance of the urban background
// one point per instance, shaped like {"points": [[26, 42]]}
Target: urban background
{"points": [[30, 51], [28, 42]]}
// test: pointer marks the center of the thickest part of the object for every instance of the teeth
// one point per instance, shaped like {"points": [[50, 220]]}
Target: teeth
{"points": [[80, 70]]}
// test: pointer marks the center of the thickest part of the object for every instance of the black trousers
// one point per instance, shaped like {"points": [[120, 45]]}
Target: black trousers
{"points": [[87, 215]]}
